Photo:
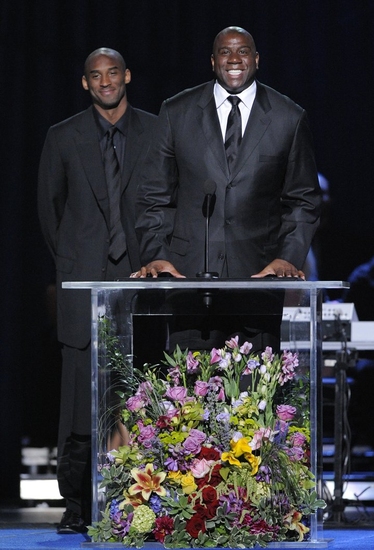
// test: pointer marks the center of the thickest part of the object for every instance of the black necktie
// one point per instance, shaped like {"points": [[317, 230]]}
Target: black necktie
{"points": [[233, 130], [117, 244]]}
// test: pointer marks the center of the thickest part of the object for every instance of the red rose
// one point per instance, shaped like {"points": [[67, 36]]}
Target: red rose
{"points": [[212, 508], [215, 476], [209, 494], [209, 454], [201, 510], [195, 525]]}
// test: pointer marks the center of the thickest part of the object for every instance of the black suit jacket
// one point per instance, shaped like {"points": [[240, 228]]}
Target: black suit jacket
{"points": [[267, 208], [74, 210]]}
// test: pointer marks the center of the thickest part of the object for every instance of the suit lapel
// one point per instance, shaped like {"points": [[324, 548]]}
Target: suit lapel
{"points": [[208, 120], [256, 127], [88, 148]]}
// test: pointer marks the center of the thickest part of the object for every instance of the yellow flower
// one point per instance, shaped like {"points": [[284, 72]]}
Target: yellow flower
{"points": [[254, 461], [230, 457], [175, 476], [147, 482], [293, 523], [188, 484], [240, 447]]}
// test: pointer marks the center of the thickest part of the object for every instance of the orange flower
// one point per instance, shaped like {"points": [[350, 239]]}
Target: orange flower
{"points": [[147, 482]]}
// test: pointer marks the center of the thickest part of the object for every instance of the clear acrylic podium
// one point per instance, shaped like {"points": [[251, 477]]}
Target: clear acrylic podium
{"points": [[121, 303]]}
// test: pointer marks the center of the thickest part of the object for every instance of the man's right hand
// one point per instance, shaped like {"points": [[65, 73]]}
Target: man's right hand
{"points": [[153, 269]]}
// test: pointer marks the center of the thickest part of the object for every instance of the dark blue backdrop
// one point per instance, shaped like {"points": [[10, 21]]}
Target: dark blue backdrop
{"points": [[320, 53]]}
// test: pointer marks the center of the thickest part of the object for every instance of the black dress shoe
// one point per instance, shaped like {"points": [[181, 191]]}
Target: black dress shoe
{"points": [[71, 523]]}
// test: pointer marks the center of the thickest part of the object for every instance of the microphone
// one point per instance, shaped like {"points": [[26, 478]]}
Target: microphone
{"points": [[209, 189]]}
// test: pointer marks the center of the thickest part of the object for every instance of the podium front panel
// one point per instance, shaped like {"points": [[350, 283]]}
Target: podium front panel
{"points": [[135, 321]]}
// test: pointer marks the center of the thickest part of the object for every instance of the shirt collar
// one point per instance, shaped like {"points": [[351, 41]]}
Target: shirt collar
{"points": [[247, 96], [103, 124]]}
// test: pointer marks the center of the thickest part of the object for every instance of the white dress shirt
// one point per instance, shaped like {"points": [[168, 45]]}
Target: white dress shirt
{"points": [[223, 105]]}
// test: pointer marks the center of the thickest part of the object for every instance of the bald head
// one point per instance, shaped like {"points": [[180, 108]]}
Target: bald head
{"points": [[233, 29], [107, 52]]}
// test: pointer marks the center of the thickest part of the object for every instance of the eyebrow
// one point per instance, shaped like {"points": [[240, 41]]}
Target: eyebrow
{"points": [[98, 71]]}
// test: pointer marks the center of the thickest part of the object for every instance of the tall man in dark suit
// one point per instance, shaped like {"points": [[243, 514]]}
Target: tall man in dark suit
{"points": [[86, 196], [267, 193]]}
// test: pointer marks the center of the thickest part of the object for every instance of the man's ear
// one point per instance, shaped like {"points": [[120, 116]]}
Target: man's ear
{"points": [[212, 61], [84, 83]]}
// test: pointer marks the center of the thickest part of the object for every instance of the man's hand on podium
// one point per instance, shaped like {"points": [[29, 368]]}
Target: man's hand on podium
{"points": [[280, 268], [157, 268]]}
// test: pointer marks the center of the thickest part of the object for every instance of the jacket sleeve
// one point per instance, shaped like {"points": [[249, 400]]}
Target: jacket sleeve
{"points": [[300, 198], [52, 190], [156, 204]]}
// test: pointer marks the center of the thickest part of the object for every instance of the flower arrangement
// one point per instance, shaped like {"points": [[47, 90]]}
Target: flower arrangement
{"points": [[217, 453]]}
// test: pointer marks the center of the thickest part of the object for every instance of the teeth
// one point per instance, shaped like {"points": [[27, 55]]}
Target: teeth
{"points": [[235, 72]]}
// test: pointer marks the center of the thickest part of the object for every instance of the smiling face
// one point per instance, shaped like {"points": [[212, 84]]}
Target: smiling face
{"points": [[234, 59], [105, 77]]}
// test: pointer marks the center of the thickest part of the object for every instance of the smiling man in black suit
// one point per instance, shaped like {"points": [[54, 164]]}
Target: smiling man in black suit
{"points": [[256, 146], [86, 195]]}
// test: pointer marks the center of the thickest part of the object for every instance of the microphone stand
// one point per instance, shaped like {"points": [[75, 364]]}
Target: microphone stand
{"points": [[206, 274]]}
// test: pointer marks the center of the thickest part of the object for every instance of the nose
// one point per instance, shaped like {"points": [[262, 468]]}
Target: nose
{"points": [[105, 81], [234, 57]]}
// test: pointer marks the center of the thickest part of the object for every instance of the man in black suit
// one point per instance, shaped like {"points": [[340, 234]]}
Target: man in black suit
{"points": [[267, 198], [90, 241]]}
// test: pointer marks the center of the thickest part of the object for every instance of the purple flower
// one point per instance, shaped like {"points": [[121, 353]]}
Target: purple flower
{"points": [[281, 428], [135, 403], [177, 393], [174, 375], [264, 474], [286, 412], [233, 342], [223, 417], [246, 348], [144, 390], [147, 433], [215, 356], [225, 361], [171, 464], [192, 363], [268, 354], [155, 504], [297, 439], [201, 388], [295, 453], [192, 445], [289, 363], [250, 367]]}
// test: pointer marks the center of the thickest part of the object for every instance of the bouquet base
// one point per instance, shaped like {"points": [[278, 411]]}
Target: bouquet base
{"points": [[320, 543]]}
